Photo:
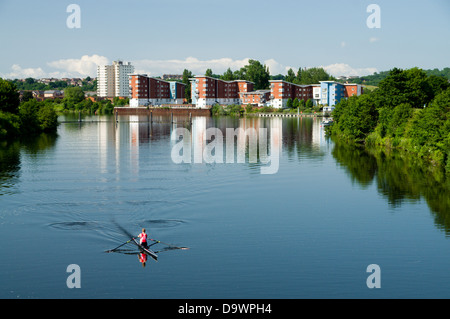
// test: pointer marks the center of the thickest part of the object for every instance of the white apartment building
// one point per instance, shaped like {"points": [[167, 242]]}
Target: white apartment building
{"points": [[112, 80], [105, 81]]}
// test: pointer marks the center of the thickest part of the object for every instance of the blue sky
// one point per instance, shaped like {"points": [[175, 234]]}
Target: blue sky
{"points": [[168, 36]]}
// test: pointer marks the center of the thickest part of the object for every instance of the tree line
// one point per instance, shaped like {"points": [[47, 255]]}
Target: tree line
{"points": [[260, 75], [409, 111]]}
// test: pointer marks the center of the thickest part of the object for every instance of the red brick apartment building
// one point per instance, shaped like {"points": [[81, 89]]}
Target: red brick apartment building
{"points": [[281, 91], [145, 90], [207, 91]]}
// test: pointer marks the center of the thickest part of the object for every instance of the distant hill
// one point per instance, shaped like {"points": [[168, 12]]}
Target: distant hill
{"points": [[375, 78]]}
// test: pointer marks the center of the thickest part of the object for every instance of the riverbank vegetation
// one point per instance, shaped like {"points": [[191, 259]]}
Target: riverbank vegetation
{"points": [[409, 111], [23, 118], [27, 116], [75, 101]]}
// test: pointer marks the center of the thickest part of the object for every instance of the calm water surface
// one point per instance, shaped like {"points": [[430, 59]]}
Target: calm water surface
{"points": [[308, 231]]}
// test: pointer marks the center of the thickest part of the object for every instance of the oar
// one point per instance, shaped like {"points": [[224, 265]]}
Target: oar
{"points": [[170, 245], [111, 250]]}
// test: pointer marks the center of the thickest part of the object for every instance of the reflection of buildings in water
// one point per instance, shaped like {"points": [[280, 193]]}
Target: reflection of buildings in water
{"points": [[102, 141], [133, 133], [198, 137], [276, 133], [256, 133], [318, 133], [117, 140], [134, 143]]}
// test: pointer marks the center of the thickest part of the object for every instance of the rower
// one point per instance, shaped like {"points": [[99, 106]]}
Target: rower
{"points": [[143, 238]]}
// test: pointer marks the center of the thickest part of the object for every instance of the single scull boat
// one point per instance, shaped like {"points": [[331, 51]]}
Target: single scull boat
{"points": [[147, 251]]}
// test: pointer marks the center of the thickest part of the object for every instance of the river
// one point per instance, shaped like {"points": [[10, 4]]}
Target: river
{"points": [[303, 220]]}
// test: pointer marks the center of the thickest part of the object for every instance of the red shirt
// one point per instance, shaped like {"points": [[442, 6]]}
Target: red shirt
{"points": [[142, 258], [143, 237]]}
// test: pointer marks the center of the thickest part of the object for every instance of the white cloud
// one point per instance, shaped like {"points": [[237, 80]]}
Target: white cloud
{"points": [[342, 69], [17, 72], [343, 44], [373, 39], [277, 68], [85, 66]]}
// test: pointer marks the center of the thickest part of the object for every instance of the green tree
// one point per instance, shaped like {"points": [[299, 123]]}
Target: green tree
{"points": [[30, 81], [405, 86], [209, 73], [298, 79], [228, 75], [314, 75], [47, 118], [289, 103], [302, 105], [356, 117], [256, 73], [28, 117], [187, 75], [73, 95], [291, 77], [9, 97], [239, 74]]}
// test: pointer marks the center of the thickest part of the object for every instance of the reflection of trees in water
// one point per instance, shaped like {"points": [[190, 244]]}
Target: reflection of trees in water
{"points": [[9, 165], [298, 138], [361, 166], [10, 157], [398, 179]]}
